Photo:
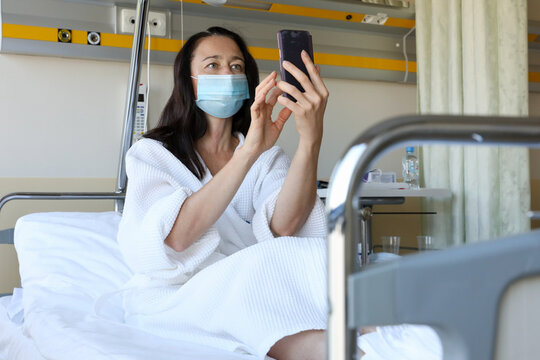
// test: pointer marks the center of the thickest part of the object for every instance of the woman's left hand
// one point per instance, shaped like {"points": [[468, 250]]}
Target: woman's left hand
{"points": [[310, 105], [263, 131]]}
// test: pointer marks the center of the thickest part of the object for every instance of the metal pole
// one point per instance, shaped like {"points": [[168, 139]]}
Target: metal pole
{"points": [[342, 210], [132, 93], [346, 181]]}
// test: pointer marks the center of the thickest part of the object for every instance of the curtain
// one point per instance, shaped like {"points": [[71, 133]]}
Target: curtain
{"points": [[472, 60]]}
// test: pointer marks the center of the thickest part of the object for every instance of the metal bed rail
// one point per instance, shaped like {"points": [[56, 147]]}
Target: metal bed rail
{"points": [[61, 196], [6, 236], [346, 181]]}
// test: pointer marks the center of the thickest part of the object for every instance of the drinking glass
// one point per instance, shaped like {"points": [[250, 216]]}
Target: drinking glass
{"points": [[390, 244], [425, 242]]}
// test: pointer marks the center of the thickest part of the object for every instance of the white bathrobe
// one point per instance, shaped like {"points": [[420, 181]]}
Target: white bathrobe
{"points": [[238, 287]]}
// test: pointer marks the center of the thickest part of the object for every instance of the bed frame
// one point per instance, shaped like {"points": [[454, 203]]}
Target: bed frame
{"points": [[356, 294]]}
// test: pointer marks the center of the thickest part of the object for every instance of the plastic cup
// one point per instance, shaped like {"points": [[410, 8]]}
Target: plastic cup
{"points": [[390, 244], [425, 242]]}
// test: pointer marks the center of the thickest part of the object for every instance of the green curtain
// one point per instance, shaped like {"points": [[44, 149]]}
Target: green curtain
{"points": [[472, 60]]}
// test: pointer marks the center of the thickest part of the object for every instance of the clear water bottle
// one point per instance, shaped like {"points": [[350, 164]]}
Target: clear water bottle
{"points": [[410, 168]]}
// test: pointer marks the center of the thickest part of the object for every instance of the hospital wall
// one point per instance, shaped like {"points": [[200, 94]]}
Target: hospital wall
{"points": [[62, 123]]}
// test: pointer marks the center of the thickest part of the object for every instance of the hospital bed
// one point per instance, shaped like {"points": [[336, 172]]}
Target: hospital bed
{"points": [[67, 260]]}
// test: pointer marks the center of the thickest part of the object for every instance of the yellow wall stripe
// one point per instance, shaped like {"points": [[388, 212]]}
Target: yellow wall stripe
{"points": [[79, 37], [316, 13], [340, 60], [28, 32], [363, 62], [398, 22], [264, 53], [117, 40], [160, 44], [126, 41]]}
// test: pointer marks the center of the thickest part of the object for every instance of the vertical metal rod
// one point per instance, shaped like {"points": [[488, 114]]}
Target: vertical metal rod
{"points": [[365, 240], [343, 225], [132, 93]]}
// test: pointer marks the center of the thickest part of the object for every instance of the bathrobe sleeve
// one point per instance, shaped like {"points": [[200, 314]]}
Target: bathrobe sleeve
{"points": [[274, 165], [158, 186]]}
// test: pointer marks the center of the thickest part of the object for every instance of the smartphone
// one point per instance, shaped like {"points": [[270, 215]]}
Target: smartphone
{"points": [[290, 44]]}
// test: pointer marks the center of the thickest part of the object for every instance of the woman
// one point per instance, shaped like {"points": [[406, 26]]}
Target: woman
{"points": [[208, 188]]}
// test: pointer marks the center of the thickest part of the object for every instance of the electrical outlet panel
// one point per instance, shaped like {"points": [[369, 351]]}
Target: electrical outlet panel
{"points": [[378, 19], [157, 22]]}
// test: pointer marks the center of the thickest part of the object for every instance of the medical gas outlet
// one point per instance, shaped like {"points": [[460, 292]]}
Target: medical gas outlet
{"points": [[157, 21]]}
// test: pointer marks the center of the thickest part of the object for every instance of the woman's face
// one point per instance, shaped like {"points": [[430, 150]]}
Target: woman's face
{"points": [[216, 55]]}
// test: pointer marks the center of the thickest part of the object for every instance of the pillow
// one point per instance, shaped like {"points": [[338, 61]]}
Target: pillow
{"points": [[70, 252]]}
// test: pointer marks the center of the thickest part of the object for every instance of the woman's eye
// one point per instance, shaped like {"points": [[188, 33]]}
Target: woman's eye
{"points": [[212, 66], [236, 67]]}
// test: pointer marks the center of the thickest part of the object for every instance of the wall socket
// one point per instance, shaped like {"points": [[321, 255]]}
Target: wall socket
{"points": [[378, 19], [157, 20]]}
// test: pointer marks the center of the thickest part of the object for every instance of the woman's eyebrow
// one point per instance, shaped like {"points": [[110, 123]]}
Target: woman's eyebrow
{"points": [[217, 57], [212, 57]]}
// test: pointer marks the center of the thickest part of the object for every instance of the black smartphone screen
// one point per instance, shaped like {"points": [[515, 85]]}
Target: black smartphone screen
{"points": [[290, 44]]}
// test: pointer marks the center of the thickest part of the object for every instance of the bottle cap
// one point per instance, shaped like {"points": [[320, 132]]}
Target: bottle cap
{"points": [[410, 149]]}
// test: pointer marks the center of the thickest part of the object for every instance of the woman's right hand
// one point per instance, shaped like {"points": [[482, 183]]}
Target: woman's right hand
{"points": [[311, 104], [263, 132]]}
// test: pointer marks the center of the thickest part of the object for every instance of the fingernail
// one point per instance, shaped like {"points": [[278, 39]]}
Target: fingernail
{"points": [[286, 63]]}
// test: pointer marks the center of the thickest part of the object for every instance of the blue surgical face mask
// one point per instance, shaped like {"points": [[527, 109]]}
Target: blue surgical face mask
{"points": [[221, 95]]}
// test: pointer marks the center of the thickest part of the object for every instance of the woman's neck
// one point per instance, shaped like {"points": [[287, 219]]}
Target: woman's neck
{"points": [[218, 137]]}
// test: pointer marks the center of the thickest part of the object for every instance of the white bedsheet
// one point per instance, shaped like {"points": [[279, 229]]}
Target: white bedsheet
{"points": [[68, 260]]}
